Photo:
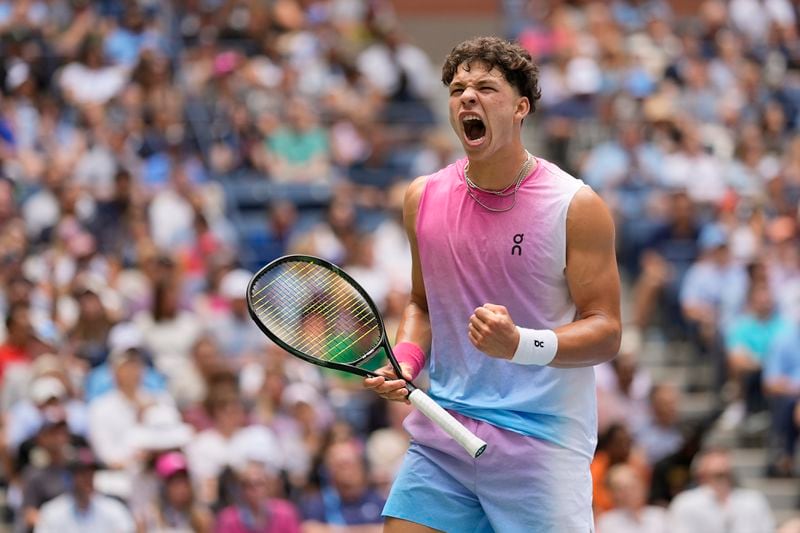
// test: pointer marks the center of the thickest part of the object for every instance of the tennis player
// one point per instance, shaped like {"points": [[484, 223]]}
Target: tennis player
{"points": [[515, 296]]}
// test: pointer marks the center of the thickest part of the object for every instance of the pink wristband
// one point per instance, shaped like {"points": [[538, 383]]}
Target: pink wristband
{"points": [[411, 354]]}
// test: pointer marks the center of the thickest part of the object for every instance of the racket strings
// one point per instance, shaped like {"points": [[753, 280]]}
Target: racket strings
{"points": [[333, 299], [326, 308], [321, 301], [267, 285]]}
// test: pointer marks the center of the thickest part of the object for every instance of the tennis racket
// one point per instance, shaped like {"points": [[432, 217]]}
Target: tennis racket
{"points": [[317, 312]]}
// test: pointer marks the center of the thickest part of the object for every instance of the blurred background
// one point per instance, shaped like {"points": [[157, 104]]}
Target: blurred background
{"points": [[154, 154]]}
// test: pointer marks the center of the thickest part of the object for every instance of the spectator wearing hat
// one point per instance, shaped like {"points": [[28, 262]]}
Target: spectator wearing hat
{"points": [[47, 475], [46, 393], [113, 416], [82, 509], [160, 431], [174, 507], [257, 510], [101, 379]]}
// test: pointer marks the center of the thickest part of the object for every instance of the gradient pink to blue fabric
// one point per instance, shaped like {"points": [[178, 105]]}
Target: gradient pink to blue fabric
{"points": [[442, 487], [471, 256]]}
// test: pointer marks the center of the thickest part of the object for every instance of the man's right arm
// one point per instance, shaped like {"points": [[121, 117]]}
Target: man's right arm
{"points": [[415, 326]]}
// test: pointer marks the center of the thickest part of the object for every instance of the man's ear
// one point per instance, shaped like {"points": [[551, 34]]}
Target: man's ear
{"points": [[523, 108]]}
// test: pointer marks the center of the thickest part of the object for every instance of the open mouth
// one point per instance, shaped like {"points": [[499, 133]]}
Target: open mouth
{"points": [[474, 128]]}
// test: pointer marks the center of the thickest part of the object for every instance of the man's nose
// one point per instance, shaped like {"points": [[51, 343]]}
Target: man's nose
{"points": [[468, 95]]}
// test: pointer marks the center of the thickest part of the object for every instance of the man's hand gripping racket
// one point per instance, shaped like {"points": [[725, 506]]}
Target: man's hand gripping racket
{"points": [[315, 311]]}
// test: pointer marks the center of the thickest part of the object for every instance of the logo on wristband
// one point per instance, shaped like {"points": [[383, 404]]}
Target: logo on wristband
{"points": [[538, 344]]}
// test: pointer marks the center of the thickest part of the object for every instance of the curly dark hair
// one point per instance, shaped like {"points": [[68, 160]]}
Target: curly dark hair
{"points": [[510, 58]]}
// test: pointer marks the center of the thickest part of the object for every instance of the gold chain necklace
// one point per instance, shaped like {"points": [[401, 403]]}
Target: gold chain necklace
{"points": [[523, 171]]}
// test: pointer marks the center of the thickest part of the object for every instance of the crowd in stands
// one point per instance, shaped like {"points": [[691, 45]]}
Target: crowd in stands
{"points": [[154, 154]]}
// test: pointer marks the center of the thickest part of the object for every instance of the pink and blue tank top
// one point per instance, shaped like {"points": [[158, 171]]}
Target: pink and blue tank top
{"points": [[471, 256]]}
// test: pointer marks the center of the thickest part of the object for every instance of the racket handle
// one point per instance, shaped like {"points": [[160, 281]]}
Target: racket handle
{"points": [[445, 420]]}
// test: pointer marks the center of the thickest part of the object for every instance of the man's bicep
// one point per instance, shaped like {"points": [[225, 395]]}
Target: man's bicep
{"points": [[592, 274]]}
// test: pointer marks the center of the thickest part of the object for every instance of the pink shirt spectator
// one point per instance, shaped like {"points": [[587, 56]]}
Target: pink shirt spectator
{"points": [[281, 515]]}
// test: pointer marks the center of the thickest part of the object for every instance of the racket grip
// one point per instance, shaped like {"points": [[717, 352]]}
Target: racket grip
{"points": [[468, 440]]}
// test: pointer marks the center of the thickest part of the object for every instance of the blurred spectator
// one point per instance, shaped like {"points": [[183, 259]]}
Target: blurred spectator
{"points": [[717, 504], [90, 332], [168, 333], [713, 292], [258, 511], [19, 338], [47, 393], [82, 510], [173, 507], [630, 514], [672, 474], [159, 432], [47, 476], [300, 151], [227, 443], [748, 343], [781, 382], [666, 256], [345, 497], [661, 435], [113, 416], [614, 447]]}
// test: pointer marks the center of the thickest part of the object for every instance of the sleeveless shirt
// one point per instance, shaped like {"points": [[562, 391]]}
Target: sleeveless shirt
{"points": [[470, 256]]}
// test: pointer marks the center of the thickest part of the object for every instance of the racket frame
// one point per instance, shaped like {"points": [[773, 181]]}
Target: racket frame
{"points": [[422, 401], [346, 367]]}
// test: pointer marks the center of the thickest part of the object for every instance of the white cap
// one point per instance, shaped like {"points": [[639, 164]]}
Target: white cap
{"points": [[256, 444], [300, 392], [45, 388], [234, 284], [123, 338]]}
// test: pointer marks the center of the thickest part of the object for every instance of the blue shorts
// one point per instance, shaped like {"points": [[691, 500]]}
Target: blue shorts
{"points": [[519, 485]]}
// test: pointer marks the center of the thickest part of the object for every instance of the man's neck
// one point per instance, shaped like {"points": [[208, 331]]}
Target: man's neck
{"points": [[500, 171]]}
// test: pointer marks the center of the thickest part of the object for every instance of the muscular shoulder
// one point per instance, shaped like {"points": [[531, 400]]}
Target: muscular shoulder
{"points": [[411, 202], [588, 219]]}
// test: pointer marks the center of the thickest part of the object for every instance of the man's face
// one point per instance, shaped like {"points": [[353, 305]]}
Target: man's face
{"points": [[477, 92]]}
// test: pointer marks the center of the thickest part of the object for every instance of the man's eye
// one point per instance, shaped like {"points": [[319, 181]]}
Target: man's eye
{"points": [[487, 89], [456, 91]]}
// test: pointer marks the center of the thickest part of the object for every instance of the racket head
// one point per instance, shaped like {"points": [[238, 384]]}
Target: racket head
{"points": [[315, 311]]}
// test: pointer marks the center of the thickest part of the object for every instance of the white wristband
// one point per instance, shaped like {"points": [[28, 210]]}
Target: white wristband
{"points": [[536, 347]]}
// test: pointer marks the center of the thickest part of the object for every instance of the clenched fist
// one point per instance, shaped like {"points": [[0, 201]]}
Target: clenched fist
{"points": [[492, 331]]}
